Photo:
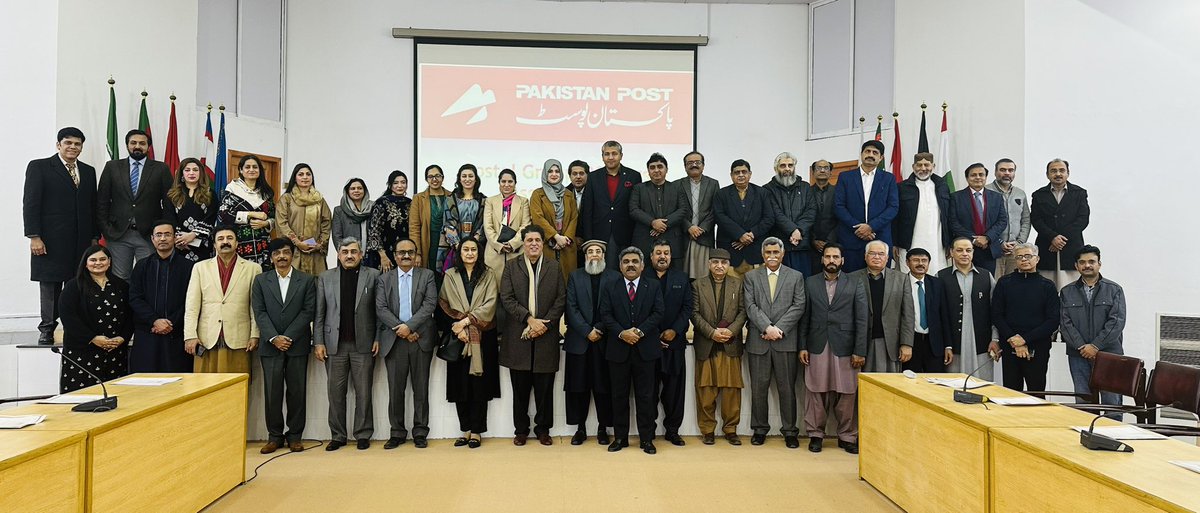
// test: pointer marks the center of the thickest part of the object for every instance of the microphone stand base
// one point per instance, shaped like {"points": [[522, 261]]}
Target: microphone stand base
{"points": [[962, 396], [99, 405]]}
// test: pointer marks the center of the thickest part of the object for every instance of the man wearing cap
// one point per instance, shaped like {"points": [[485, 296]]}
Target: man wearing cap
{"points": [[586, 372], [717, 323], [865, 203]]}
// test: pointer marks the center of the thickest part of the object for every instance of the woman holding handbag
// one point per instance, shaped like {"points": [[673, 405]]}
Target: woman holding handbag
{"points": [[504, 216], [469, 297]]}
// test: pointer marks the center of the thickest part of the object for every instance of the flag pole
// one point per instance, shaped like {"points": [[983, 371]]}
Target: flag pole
{"points": [[861, 133]]}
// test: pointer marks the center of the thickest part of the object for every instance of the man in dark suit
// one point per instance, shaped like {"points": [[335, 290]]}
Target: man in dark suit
{"points": [[719, 316], [979, 214], [405, 299], [533, 293], [931, 347], [1059, 212], [660, 210], [922, 220], [586, 370], [129, 198], [824, 228], [700, 192], [865, 203], [677, 301], [346, 337], [59, 215], [284, 301], [795, 212], [158, 297], [632, 310], [970, 333], [604, 213], [744, 217]]}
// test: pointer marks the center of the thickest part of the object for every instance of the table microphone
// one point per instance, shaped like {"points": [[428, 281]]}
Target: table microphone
{"points": [[965, 397], [99, 405], [1097, 442]]}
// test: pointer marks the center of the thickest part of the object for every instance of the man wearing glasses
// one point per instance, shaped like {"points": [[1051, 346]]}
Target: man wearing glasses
{"points": [[1025, 310], [404, 304], [1093, 317], [824, 228]]}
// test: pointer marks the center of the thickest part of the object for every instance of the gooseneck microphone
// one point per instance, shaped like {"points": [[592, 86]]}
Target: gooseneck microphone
{"points": [[1097, 442], [965, 397], [106, 404]]}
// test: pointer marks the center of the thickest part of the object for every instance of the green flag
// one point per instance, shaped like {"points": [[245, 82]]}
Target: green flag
{"points": [[113, 149], [144, 125]]}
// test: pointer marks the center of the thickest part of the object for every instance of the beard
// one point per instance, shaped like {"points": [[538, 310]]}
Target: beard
{"points": [[137, 155], [594, 267], [832, 268], [786, 180]]}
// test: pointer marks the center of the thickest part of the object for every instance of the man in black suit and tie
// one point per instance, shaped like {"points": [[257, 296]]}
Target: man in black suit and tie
{"points": [[130, 197], [632, 309], [284, 301], [677, 299], [660, 210], [979, 214], [744, 216], [931, 350], [700, 192], [604, 214], [59, 215]]}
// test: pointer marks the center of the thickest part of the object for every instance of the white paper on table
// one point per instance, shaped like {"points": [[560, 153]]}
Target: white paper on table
{"points": [[958, 382], [1123, 432], [1193, 466], [147, 382], [18, 422], [71, 399], [1018, 401]]}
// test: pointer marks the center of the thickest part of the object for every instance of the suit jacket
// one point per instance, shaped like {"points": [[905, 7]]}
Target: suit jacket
{"points": [[644, 312], [910, 201], [898, 311], [825, 225], [290, 316], [514, 298], [676, 208], [678, 303], [936, 317], [849, 207], [736, 216], [603, 219], [1051, 219], [117, 204], [208, 310], [705, 319], [423, 303], [843, 324], [995, 218], [708, 219], [581, 314], [794, 209], [143, 290], [493, 218], [327, 327], [784, 311], [61, 214]]}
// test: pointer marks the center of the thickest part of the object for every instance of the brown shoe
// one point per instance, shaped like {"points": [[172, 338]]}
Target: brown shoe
{"points": [[519, 440], [708, 439], [296, 446], [270, 447], [733, 439], [545, 439]]}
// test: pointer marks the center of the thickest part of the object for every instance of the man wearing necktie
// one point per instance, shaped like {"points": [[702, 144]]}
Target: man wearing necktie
{"points": [[129, 199], [980, 214], [930, 350], [404, 304]]}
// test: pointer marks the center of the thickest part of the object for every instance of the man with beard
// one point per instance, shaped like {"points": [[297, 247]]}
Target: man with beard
{"points": [[795, 212], [719, 318], [218, 323], [971, 334], [129, 198], [1017, 207], [978, 214], [405, 299], [586, 377], [1093, 319], [285, 305], [890, 314], [677, 301], [660, 209], [157, 294], [632, 310], [865, 203], [701, 191], [835, 350], [824, 228], [1025, 310], [931, 345], [744, 216], [921, 221], [1060, 212], [604, 207], [775, 299]]}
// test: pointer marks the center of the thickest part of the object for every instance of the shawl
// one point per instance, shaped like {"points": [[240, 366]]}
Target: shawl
{"points": [[311, 202], [480, 308], [357, 215]]}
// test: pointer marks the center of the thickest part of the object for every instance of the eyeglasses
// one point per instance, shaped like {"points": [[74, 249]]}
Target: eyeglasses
{"points": [[1028, 256], [877, 254], [433, 177], [822, 168], [405, 252], [162, 235]]}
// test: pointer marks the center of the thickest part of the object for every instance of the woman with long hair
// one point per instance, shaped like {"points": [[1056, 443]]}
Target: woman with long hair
{"points": [[554, 209], [249, 206], [506, 210], [427, 219], [465, 215], [97, 322], [389, 220], [195, 212], [351, 218], [469, 297], [304, 218]]}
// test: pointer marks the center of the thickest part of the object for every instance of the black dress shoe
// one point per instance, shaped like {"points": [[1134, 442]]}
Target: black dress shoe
{"points": [[420, 442], [791, 441], [394, 442], [617, 445], [602, 437], [757, 439], [675, 439], [733, 439], [364, 444], [474, 443], [648, 448], [579, 438], [519, 440], [334, 445], [814, 444], [850, 447], [46, 339], [708, 439]]}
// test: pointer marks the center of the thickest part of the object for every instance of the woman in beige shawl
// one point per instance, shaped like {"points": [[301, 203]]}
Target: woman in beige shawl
{"points": [[469, 297], [304, 217]]}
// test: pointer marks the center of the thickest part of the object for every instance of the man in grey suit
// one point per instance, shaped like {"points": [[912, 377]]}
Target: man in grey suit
{"points": [[129, 199], [890, 311], [346, 337], [699, 191], [775, 299], [284, 301], [405, 300], [835, 349], [660, 211]]}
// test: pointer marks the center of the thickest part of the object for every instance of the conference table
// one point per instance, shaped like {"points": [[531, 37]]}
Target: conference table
{"points": [[174, 447], [42, 470]]}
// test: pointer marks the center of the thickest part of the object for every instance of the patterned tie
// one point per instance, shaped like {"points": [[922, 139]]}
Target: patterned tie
{"points": [[134, 174], [74, 175], [772, 279], [979, 206], [632, 292], [921, 302]]}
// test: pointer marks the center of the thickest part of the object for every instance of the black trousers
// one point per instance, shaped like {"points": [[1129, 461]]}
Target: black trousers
{"points": [[542, 386], [472, 416], [587, 381], [1030, 373], [49, 292], [924, 358], [285, 374], [670, 385], [637, 374]]}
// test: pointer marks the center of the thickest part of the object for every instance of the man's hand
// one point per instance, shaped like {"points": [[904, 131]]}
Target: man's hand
{"points": [[1058, 243], [1022, 352], [375, 349], [772, 333], [36, 246], [1088, 351], [994, 350], [980, 241], [537, 327], [1016, 341], [949, 356], [796, 237], [746, 239], [189, 345], [413, 337], [864, 231], [857, 362], [804, 356], [695, 232], [629, 336], [819, 245], [659, 225], [403, 331], [1009, 247], [722, 335], [252, 344], [281, 342], [594, 335], [161, 327], [319, 352], [905, 354], [667, 335]]}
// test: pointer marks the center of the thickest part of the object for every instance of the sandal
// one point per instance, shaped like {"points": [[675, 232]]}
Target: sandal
{"points": [[461, 441]]}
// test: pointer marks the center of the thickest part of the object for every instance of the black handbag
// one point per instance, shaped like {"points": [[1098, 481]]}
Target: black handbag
{"points": [[506, 234], [450, 347]]}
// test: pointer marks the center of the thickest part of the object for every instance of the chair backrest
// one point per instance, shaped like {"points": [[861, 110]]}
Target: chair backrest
{"points": [[1172, 383], [1119, 374]]}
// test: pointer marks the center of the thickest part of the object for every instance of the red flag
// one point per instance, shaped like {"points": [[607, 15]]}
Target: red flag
{"points": [[897, 156], [172, 157]]}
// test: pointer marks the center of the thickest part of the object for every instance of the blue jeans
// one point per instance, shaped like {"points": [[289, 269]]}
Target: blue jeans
{"points": [[1081, 374]]}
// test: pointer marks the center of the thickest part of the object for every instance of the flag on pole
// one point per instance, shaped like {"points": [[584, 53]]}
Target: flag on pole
{"points": [[113, 149], [172, 157], [897, 155], [923, 143], [144, 125], [219, 162], [943, 160], [879, 137], [209, 158]]}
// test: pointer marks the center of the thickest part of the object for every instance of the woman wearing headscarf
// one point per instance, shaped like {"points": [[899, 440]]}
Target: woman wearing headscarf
{"points": [[469, 298], [554, 209], [508, 210], [389, 220], [304, 218], [351, 217]]}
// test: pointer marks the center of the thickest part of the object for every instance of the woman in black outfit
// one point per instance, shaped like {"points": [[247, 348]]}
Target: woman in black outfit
{"points": [[469, 298], [97, 322]]}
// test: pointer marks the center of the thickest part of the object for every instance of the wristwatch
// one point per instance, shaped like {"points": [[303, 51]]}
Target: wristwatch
{"points": [[639, 333]]}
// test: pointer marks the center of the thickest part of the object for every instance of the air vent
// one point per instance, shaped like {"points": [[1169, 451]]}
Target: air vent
{"points": [[1179, 342]]}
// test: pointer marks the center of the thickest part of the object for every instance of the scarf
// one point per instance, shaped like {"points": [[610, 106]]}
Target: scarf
{"points": [[311, 202], [533, 289], [554, 192], [357, 215], [250, 196], [480, 308]]}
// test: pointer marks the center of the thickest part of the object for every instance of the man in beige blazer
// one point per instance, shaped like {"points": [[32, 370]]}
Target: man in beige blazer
{"points": [[891, 311], [496, 217], [218, 324]]}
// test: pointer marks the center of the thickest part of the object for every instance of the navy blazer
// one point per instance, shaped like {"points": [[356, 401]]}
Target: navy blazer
{"points": [[678, 301], [935, 313], [736, 216], [995, 217], [645, 312], [607, 219], [580, 310], [290, 316], [849, 208]]}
